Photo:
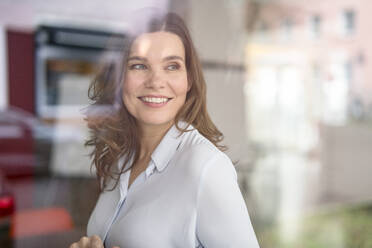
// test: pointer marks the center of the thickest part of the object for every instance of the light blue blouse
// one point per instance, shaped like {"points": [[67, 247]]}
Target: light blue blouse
{"points": [[187, 197]]}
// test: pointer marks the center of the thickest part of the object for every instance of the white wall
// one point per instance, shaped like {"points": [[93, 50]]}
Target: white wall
{"points": [[217, 28]]}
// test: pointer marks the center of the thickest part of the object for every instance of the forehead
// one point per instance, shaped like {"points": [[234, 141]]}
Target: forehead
{"points": [[157, 45]]}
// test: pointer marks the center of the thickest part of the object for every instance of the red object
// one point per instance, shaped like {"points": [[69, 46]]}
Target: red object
{"points": [[16, 144], [40, 222], [21, 74], [6, 205]]}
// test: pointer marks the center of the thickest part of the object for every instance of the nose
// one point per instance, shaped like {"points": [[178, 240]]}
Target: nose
{"points": [[155, 80]]}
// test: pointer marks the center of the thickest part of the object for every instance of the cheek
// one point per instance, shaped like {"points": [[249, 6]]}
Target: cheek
{"points": [[181, 87], [125, 93], [128, 93], [129, 86]]}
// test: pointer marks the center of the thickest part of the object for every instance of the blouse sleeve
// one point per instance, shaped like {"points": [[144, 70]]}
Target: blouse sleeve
{"points": [[222, 216]]}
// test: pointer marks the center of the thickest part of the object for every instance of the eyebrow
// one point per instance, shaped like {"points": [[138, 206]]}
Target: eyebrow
{"points": [[171, 57], [137, 58]]}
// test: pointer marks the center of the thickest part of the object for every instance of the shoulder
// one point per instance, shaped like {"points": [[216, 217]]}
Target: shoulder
{"points": [[195, 145], [199, 153]]}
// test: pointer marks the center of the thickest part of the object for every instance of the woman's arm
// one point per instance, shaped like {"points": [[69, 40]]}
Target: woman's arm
{"points": [[222, 216]]}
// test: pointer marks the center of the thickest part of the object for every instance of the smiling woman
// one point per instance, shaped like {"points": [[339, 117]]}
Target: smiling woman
{"points": [[164, 179]]}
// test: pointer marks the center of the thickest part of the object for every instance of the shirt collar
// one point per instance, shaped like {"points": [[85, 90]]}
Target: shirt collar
{"points": [[167, 147], [164, 151]]}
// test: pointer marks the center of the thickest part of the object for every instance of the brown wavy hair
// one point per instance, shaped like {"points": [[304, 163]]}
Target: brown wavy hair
{"points": [[114, 131]]}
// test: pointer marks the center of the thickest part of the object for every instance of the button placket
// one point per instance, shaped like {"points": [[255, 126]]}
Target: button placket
{"points": [[123, 193]]}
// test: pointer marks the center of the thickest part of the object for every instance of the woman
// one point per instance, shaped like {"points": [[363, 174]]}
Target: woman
{"points": [[165, 181]]}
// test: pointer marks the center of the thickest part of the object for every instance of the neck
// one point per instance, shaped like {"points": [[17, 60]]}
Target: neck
{"points": [[151, 135]]}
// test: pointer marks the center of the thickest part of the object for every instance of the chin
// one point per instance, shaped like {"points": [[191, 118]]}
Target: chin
{"points": [[157, 122]]}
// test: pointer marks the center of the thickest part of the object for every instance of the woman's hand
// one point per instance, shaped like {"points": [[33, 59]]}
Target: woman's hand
{"points": [[89, 242]]}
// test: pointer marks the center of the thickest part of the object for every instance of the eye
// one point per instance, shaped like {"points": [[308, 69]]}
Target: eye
{"points": [[173, 67], [138, 67]]}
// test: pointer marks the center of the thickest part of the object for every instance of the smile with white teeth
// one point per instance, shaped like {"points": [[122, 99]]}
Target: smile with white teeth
{"points": [[155, 99]]}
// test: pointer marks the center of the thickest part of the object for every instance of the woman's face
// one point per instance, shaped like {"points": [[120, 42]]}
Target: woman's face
{"points": [[155, 84]]}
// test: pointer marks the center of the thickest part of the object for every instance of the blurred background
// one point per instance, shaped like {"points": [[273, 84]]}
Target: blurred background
{"points": [[289, 84]]}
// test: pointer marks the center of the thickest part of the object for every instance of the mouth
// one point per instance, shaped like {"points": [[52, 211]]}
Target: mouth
{"points": [[155, 100]]}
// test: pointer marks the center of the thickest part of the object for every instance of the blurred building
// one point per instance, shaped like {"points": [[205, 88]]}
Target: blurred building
{"points": [[321, 50], [309, 88]]}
